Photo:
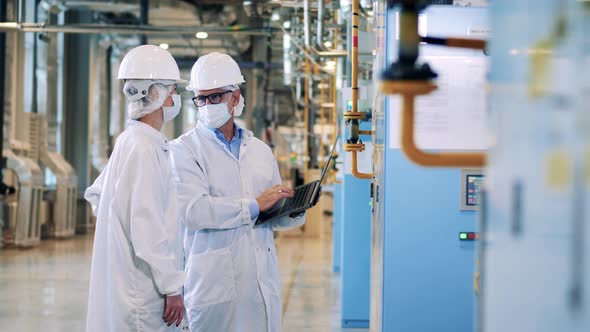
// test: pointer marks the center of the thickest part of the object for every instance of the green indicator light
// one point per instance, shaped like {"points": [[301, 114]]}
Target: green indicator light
{"points": [[463, 236]]}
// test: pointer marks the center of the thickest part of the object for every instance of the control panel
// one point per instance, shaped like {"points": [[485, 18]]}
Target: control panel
{"points": [[472, 181]]}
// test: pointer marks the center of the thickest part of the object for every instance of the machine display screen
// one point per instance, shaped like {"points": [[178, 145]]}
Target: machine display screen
{"points": [[473, 184]]}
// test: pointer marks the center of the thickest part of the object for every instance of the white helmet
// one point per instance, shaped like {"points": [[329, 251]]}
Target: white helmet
{"points": [[214, 70], [149, 62]]}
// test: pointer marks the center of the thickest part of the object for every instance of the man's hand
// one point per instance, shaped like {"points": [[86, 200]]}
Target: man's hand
{"points": [[173, 309], [269, 197]]}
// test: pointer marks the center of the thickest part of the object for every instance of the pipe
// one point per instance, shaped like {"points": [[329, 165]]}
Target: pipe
{"points": [[127, 29], [292, 4], [143, 18], [355, 55], [367, 5], [19, 12], [307, 36], [3, 5], [305, 53], [320, 33], [97, 6], [47, 75], [354, 167], [287, 64], [476, 44], [306, 116], [99, 142], [355, 90], [322, 118], [431, 159]]}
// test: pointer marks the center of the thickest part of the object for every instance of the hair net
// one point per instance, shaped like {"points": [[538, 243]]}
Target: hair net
{"points": [[145, 96]]}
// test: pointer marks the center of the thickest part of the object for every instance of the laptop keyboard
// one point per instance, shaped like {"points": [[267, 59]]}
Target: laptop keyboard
{"points": [[300, 199]]}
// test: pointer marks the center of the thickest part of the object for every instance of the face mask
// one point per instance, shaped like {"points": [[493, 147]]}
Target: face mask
{"points": [[172, 111], [239, 107], [214, 116]]}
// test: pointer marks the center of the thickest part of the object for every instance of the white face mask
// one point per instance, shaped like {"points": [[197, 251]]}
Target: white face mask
{"points": [[172, 111], [214, 116]]}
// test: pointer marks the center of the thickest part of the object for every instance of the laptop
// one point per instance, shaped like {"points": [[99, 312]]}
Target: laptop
{"points": [[306, 197]]}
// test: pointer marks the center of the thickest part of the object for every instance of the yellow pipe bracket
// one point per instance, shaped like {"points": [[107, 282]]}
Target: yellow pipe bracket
{"points": [[409, 90]]}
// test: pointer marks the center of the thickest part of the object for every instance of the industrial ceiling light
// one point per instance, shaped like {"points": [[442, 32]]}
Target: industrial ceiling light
{"points": [[328, 44], [275, 16], [202, 35], [164, 46], [287, 24]]}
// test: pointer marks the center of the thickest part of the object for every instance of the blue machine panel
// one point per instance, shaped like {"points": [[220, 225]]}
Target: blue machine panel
{"points": [[428, 272], [337, 228], [356, 252]]}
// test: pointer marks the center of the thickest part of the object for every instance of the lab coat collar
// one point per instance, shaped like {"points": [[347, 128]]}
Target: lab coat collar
{"points": [[151, 132]]}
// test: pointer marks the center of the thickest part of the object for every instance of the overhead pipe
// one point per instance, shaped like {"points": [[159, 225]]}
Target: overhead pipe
{"points": [[128, 29], [305, 53], [320, 33], [307, 36], [96, 6]]}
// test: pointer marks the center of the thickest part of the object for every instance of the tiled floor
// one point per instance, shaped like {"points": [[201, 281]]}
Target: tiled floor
{"points": [[311, 299], [46, 288]]}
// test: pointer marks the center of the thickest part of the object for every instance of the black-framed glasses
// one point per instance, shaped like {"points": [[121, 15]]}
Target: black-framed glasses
{"points": [[214, 98]]}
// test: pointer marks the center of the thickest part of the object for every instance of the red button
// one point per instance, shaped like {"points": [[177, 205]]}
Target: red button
{"points": [[470, 236]]}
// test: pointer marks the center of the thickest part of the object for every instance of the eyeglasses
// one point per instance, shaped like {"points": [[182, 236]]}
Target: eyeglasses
{"points": [[214, 98]]}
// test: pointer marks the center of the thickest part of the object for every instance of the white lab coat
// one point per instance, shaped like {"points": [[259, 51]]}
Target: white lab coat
{"points": [[137, 244], [232, 280]]}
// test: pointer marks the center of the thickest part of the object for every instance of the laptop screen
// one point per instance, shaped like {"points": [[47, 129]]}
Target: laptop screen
{"points": [[325, 170]]}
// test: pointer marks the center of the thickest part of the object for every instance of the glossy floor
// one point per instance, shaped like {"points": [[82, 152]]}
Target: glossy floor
{"points": [[46, 288]]}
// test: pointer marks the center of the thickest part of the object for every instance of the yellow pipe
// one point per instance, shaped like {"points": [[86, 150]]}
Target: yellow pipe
{"points": [[477, 44], [355, 54], [432, 159], [354, 84], [322, 117], [355, 171]]}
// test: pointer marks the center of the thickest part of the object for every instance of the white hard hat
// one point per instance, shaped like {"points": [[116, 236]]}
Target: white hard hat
{"points": [[149, 62], [214, 70]]}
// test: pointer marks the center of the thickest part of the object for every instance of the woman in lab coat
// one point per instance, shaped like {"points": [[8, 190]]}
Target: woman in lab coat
{"points": [[136, 277]]}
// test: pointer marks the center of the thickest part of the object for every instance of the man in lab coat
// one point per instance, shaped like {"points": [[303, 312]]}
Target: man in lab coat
{"points": [[226, 177], [136, 277]]}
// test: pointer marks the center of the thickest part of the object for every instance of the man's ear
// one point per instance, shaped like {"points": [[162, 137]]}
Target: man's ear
{"points": [[236, 95]]}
